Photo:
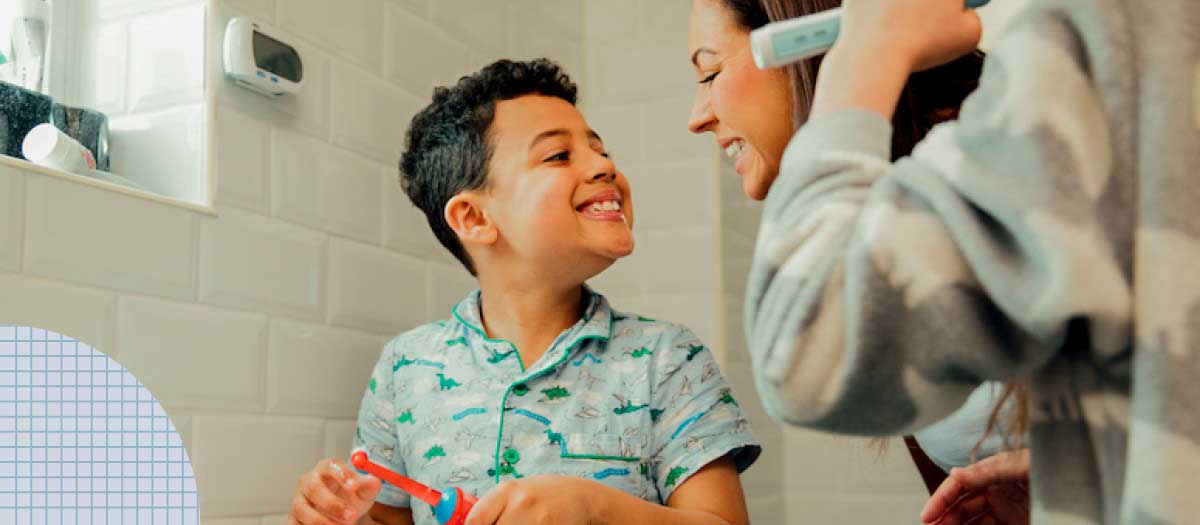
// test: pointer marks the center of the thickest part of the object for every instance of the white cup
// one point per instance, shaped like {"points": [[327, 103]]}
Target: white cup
{"points": [[48, 146]]}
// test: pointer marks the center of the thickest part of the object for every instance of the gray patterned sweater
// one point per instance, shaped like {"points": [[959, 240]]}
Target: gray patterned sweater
{"points": [[1051, 236]]}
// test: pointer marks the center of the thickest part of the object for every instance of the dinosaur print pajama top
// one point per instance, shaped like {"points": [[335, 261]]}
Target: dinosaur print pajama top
{"points": [[629, 402]]}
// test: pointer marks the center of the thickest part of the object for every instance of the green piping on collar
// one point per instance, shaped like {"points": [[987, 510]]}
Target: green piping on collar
{"points": [[477, 330]]}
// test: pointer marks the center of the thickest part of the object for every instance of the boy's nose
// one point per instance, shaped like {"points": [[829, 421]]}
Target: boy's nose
{"points": [[605, 176]]}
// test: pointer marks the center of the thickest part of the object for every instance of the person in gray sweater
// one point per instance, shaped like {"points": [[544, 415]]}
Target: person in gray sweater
{"points": [[1048, 237]]}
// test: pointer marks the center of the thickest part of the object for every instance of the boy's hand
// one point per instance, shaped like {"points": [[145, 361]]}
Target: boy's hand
{"points": [[332, 493], [538, 500], [922, 33]]}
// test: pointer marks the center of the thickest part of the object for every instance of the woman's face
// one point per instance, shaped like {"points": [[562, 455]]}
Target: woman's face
{"points": [[747, 109]]}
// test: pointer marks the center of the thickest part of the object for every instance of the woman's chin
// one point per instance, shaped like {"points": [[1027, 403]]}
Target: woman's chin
{"points": [[754, 188], [757, 184]]}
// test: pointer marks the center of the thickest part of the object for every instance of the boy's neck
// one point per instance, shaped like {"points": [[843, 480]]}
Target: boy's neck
{"points": [[531, 318]]}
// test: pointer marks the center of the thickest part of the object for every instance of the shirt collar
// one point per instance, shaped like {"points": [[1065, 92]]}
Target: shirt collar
{"points": [[595, 324]]}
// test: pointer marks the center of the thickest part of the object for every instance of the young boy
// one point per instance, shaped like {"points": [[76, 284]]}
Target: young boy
{"points": [[536, 395]]}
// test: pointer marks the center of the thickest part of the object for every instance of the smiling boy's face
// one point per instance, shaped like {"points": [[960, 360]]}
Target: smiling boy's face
{"points": [[556, 197]]}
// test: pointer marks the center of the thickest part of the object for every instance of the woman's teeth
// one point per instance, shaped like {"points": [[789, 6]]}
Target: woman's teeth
{"points": [[604, 206], [735, 148]]}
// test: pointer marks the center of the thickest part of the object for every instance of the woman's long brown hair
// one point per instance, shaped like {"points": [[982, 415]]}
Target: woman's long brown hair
{"points": [[929, 98]]}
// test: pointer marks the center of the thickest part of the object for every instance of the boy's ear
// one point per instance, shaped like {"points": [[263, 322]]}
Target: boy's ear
{"points": [[466, 216]]}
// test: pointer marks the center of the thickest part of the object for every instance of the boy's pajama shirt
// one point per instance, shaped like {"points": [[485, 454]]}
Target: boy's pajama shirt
{"points": [[629, 402]]}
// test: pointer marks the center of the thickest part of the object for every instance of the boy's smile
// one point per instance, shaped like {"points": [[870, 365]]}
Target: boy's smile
{"points": [[605, 206]]}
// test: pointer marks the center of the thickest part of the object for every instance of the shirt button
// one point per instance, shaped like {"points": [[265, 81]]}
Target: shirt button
{"points": [[511, 456], [521, 389]]}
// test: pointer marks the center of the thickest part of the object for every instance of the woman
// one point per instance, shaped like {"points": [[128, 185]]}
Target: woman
{"points": [[742, 106], [1048, 235]]}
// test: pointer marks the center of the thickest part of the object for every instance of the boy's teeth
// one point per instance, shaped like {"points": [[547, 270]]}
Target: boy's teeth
{"points": [[605, 206]]}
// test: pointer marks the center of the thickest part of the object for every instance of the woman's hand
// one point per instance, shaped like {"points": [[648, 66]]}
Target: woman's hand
{"points": [[922, 33], [994, 491], [881, 43], [332, 493], [538, 500]]}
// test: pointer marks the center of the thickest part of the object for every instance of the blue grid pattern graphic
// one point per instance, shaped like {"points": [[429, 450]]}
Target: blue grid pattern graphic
{"points": [[82, 441]]}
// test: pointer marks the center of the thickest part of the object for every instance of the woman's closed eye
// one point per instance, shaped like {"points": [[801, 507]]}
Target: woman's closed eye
{"points": [[708, 79]]}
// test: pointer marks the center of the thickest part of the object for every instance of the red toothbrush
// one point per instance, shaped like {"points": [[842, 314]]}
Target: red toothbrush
{"points": [[450, 506]]}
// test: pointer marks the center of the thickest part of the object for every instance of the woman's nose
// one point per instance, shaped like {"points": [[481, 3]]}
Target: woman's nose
{"points": [[701, 117]]}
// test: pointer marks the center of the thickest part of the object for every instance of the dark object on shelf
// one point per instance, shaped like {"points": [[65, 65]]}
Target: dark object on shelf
{"points": [[89, 127], [20, 110]]}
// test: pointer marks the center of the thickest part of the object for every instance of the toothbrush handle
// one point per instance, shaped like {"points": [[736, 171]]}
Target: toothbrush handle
{"points": [[360, 461]]}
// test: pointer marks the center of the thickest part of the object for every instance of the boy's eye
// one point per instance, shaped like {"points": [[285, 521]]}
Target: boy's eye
{"points": [[709, 79], [560, 157]]}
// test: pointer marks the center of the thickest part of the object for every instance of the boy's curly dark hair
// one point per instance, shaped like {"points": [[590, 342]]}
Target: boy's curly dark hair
{"points": [[448, 148]]}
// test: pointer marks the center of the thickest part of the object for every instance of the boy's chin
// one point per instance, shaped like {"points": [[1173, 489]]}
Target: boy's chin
{"points": [[617, 250], [603, 257]]}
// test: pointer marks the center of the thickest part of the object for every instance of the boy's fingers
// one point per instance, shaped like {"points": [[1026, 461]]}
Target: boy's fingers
{"points": [[367, 488], [489, 508], [334, 474], [303, 512], [326, 501]]}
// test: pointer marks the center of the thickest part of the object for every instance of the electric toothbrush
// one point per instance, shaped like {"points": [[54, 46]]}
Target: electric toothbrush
{"points": [[781, 43], [450, 506]]}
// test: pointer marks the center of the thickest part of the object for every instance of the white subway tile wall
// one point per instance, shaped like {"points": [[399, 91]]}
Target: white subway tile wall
{"points": [[256, 327], [304, 355], [12, 218], [256, 263], [325, 187], [247, 465], [370, 115], [76, 233], [84, 313], [371, 288], [243, 154], [207, 346]]}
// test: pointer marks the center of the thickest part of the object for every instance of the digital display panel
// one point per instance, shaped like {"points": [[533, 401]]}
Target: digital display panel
{"points": [[272, 55]]}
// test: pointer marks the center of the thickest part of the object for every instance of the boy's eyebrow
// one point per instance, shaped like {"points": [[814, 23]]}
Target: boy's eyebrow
{"points": [[558, 132]]}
